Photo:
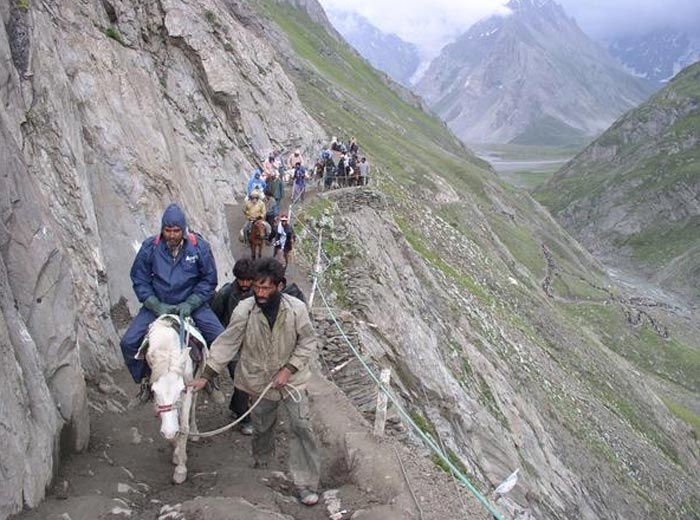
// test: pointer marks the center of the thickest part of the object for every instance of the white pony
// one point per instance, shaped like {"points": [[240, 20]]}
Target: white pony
{"points": [[172, 367]]}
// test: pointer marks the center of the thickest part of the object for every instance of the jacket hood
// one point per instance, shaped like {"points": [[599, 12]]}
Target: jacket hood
{"points": [[174, 216]]}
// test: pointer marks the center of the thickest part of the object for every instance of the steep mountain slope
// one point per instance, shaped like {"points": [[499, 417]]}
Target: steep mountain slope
{"points": [[386, 52], [508, 342], [632, 195], [506, 75], [658, 55]]}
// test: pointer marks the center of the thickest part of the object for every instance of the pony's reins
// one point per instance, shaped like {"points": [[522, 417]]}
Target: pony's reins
{"points": [[294, 394]]}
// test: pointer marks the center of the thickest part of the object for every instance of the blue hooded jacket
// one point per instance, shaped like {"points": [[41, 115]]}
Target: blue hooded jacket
{"points": [[172, 280], [256, 182]]}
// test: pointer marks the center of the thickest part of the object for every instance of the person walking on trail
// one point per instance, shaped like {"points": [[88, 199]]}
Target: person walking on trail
{"points": [[295, 158], [285, 239], [299, 177], [275, 338], [174, 272], [341, 171], [276, 187], [353, 174], [269, 168], [328, 171], [256, 182], [253, 210], [271, 213], [223, 304], [363, 167]]}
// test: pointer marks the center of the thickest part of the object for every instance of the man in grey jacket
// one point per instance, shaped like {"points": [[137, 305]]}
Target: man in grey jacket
{"points": [[276, 341]]}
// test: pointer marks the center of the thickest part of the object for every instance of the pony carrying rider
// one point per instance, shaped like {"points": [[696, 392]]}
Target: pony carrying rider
{"points": [[253, 210], [174, 272]]}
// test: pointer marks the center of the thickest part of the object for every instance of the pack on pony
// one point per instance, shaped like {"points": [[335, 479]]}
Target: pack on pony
{"points": [[169, 353]]}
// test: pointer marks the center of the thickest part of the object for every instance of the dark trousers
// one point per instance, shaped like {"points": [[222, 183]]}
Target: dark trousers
{"points": [[204, 319], [240, 399], [304, 460]]}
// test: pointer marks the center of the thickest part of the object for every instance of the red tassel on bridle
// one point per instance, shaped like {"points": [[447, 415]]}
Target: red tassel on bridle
{"points": [[165, 408]]}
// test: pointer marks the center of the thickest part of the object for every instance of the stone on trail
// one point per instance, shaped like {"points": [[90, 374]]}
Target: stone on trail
{"points": [[136, 437], [224, 508]]}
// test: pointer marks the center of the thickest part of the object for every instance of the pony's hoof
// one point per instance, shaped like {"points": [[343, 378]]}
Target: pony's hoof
{"points": [[180, 475]]}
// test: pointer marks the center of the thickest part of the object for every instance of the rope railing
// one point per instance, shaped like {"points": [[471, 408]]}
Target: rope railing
{"points": [[406, 417], [457, 473]]}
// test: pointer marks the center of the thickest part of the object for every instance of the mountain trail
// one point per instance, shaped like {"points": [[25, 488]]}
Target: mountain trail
{"points": [[126, 470]]}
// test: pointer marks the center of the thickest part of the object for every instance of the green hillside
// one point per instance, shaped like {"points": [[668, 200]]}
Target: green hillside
{"points": [[512, 290], [551, 132], [633, 192]]}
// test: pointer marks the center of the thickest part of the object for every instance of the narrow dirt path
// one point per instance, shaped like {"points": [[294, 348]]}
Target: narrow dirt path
{"points": [[126, 471]]}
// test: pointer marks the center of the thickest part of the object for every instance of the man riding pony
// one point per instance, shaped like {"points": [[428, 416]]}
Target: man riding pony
{"points": [[173, 273], [253, 210]]}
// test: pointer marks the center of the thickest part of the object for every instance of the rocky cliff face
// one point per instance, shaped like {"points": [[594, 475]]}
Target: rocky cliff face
{"points": [[529, 78], [111, 110], [632, 195]]}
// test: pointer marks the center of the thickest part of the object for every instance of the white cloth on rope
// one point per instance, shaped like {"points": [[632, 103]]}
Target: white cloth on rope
{"points": [[282, 236]]}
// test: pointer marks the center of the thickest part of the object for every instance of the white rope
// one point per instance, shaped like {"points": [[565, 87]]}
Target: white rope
{"points": [[296, 398]]}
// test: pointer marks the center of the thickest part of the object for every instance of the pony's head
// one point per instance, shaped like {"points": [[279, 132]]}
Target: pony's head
{"points": [[167, 391]]}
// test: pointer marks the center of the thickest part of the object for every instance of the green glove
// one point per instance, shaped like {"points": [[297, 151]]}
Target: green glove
{"points": [[191, 304], [159, 308]]}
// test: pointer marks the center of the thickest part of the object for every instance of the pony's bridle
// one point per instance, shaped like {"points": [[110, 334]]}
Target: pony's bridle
{"points": [[163, 408]]}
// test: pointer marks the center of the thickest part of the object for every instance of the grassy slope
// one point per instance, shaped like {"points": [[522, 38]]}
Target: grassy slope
{"points": [[408, 148], [552, 132], [641, 171]]}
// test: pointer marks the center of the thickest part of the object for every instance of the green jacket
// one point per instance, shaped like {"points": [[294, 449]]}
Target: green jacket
{"points": [[277, 188], [292, 341]]}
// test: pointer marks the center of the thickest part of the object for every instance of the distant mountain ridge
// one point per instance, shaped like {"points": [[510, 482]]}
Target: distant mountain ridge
{"points": [[633, 196], [386, 52], [506, 73], [657, 55]]}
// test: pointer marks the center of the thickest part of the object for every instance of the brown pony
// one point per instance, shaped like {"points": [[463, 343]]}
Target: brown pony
{"points": [[257, 237]]}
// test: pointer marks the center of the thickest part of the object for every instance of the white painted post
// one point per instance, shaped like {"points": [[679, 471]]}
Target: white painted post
{"points": [[317, 270], [382, 399]]}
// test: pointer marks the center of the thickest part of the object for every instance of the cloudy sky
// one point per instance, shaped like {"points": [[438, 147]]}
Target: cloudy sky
{"points": [[432, 23]]}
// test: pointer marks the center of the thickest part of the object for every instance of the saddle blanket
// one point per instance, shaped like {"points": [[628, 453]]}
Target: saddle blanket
{"points": [[195, 341]]}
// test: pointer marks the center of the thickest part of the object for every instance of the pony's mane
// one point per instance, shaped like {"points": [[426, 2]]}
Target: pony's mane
{"points": [[164, 352]]}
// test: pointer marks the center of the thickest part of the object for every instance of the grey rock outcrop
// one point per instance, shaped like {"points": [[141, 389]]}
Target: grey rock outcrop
{"points": [[110, 111]]}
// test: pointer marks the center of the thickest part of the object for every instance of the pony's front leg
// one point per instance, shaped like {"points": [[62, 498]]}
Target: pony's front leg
{"points": [[193, 420], [180, 453]]}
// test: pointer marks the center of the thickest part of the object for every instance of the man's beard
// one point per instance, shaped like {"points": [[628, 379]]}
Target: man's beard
{"points": [[173, 245], [268, 302]]}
